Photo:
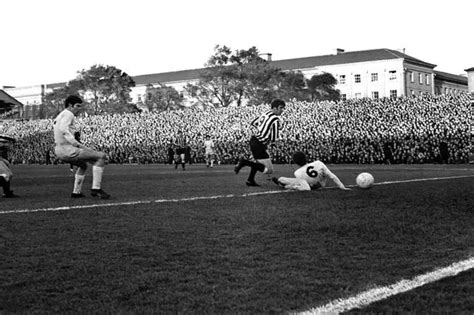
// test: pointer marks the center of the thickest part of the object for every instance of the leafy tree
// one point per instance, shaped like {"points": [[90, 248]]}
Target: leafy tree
{"points": [[321, 87], [162, 98], [242, 76], [53, 102], [106, 88], [229, 77]]}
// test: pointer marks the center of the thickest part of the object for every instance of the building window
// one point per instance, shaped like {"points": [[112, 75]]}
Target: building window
{"points": [[427, 79], [412, 92], [358, 95], [393, 94], [357, 78], [375, 95], [420, 78], [392, 75], [342, 79], [374, 77], [343, 97], [412, 77]]}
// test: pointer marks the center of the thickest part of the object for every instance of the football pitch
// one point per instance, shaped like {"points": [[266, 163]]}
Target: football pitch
{"points": [[201, 241]]}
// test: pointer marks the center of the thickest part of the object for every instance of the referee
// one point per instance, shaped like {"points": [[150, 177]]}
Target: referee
{"points": [[268, 128]]}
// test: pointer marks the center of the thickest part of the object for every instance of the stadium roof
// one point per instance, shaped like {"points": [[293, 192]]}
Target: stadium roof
{"points": [[7, 102]]}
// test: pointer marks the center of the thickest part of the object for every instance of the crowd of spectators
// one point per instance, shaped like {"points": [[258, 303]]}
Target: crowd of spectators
{"points": [[416, 129]]}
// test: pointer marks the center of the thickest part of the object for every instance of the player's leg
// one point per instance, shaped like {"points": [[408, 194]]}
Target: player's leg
{"points": [[79, 179], [6, 176], [98, 159], [259, 152], [183, 160], [212, 157], [294, 183]]}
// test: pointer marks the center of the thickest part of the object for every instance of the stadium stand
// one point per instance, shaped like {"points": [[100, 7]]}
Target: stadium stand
{"points": [[416, 129]]}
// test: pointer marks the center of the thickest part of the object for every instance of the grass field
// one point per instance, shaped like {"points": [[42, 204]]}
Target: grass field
{"points": [[201, 241]]}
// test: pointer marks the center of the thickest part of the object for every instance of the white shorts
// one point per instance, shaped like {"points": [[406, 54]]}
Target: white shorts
{"points": [[5, 171], [292, 183], [67, 153]]}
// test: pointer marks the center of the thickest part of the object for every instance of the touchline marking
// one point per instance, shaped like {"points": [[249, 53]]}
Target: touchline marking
{"points": [[365, 298], [268, 192], [132, 203]]}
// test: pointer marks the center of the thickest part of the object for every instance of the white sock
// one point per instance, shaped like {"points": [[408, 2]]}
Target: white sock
{"points": [[79, 179], [97, 172]]}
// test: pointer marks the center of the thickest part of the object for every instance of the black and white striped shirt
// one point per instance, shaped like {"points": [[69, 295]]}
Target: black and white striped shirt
{"points": [[268, 127]]}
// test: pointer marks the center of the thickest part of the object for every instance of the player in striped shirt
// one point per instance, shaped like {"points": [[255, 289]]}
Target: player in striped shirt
{"points": [[180, 143], [268, 128]]}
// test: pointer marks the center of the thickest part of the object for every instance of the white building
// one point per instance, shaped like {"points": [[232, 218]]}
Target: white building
{"points": [[373, 73]]}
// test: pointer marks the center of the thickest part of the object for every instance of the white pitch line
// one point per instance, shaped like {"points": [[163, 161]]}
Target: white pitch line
{"points": [[131, 203], [365, 298]]}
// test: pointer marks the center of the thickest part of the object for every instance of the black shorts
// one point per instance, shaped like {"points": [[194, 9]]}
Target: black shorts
{"points": [[259, 150], [180, 151]]}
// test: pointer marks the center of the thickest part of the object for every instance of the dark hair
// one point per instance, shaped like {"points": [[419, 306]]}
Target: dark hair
{"points": [[277, 102], [299, 158], [71, 100]]}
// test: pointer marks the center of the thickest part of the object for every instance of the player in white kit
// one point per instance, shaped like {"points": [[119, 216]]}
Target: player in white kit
{"points": [[69, 150], [209, 151], [309, 176], [6, 174]]}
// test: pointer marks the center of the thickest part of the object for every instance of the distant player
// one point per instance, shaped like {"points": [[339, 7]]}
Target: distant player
{"points": [[309, 176], [268, 128], [180, 143], [209, 151], [6, 174], [69, 150]]}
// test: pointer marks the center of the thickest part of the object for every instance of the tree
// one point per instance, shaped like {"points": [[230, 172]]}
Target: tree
{"points": [[106, 88], [321, 87], [243, 77], [230, 77], [53, 102], [162, 98]]}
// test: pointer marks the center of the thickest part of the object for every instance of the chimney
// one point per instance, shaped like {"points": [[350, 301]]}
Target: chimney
{"points": [[269, 56], [339, 51]]}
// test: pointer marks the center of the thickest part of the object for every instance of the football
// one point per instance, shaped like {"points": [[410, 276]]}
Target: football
{"points": [[365, 180]]}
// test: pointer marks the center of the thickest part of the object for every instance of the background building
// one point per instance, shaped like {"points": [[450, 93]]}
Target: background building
{"points": [[373, 73]]}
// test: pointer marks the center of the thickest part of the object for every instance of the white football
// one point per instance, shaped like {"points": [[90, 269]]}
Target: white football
{"points": [[365, 180]]}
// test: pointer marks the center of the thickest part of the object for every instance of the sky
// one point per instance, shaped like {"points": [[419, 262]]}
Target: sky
{"points": [[49, 41]]}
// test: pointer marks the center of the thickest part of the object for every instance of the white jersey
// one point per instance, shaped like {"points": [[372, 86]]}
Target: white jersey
{"points": [[209, 146], [315, 174], [62, 129]]}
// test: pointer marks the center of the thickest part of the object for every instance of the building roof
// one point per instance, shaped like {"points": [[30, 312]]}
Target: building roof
{"points": [[294, 64], [7, 101], [183, 75], [444, 76], [286, 64], [348, 57]]}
